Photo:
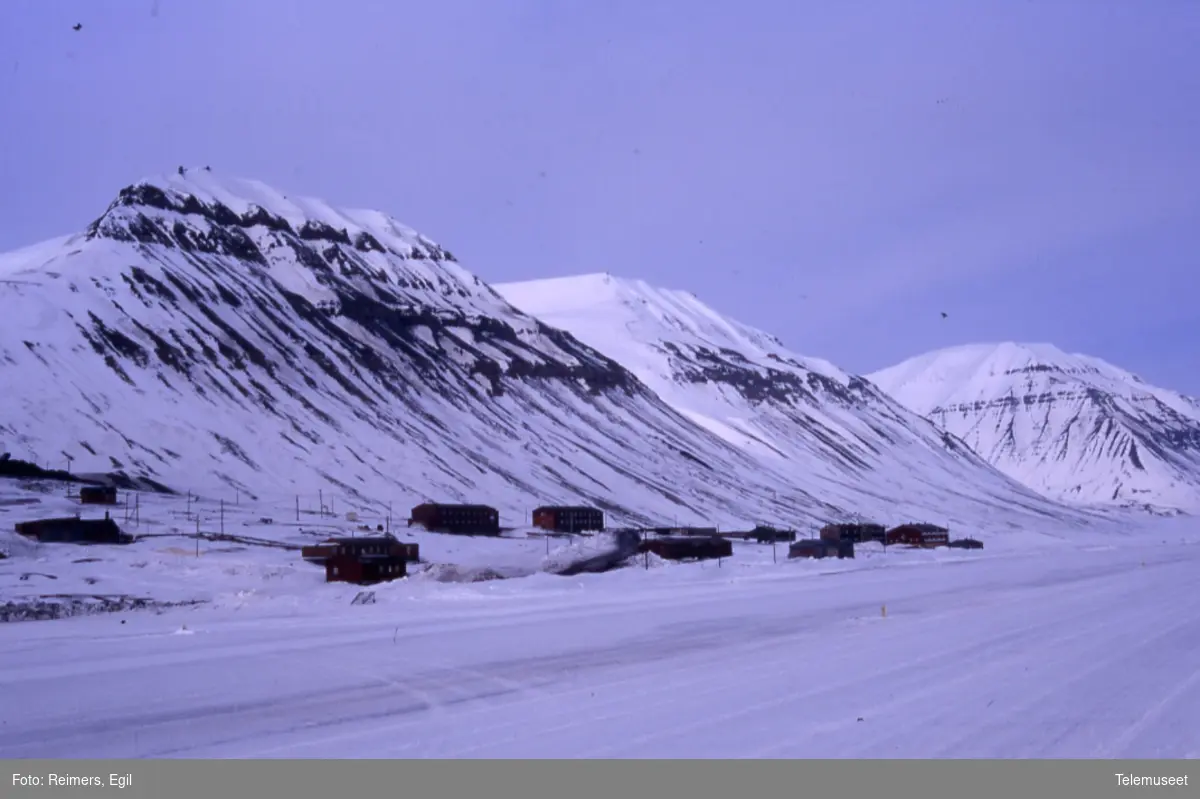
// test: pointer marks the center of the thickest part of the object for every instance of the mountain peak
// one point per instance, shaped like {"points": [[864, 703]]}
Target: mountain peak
{"points": [[210, 199], [244, 195], [644, 312], [972, 371], [1006, 355], [1068, 425]]}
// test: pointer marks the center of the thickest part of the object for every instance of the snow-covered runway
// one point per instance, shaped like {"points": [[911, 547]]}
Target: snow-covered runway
{"points": [[1072, 653]]}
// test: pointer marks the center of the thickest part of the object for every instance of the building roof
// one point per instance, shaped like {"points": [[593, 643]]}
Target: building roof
{"points": [[365, 539], [456, 506], [921, 527], [568, 507]]}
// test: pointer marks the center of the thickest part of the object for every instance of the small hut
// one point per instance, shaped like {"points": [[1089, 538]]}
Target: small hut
{"points": [[98, 495]]}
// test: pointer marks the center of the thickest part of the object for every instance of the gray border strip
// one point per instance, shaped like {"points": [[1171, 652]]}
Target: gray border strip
{"points": [[597, 779]]}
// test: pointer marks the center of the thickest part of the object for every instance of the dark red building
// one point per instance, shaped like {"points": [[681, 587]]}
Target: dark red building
{"points": [[460, 519], [73, 530], [568, 518], [98, 495], [687, 548], [822, 548], [856, 532], [365, 570], [919, 535], [358, 547]]}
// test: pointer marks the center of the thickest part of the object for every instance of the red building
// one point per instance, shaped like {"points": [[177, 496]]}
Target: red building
{"points": [[366, 546], [74, 530], [568, 518], [822, 548], [461, 519], [98, 495], [365, 570], [856, 532], [688, 548], [919, 535]]}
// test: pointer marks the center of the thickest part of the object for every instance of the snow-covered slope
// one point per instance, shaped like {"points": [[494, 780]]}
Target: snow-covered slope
{"points": [[833, 433], [221, 337], [213, 334], [1070, 426]]}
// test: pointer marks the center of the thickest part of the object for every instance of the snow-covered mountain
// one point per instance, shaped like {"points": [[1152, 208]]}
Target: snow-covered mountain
{"points": [[801, 416], [215, 335], [1070, 426]]}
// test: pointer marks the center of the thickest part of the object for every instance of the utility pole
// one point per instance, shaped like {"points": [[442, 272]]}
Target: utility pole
{"points": [[197, 535], [321, 500], [222, 517], [297, 507]]}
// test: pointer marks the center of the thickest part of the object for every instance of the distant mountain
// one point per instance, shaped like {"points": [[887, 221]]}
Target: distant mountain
{"points": [[834, 434], [1072, 427]]}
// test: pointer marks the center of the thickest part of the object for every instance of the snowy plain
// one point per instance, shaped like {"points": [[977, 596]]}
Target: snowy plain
{"points": [[1085, 645]]}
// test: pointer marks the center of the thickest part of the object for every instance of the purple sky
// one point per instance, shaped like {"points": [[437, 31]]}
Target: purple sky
{"points": [[835, 173]]}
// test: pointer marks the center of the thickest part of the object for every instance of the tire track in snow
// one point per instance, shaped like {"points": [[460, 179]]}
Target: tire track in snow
{"points": [[1040, 684], [678, 660], [917, 708], [1184, 687], [908, 677], [629, 701]]}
